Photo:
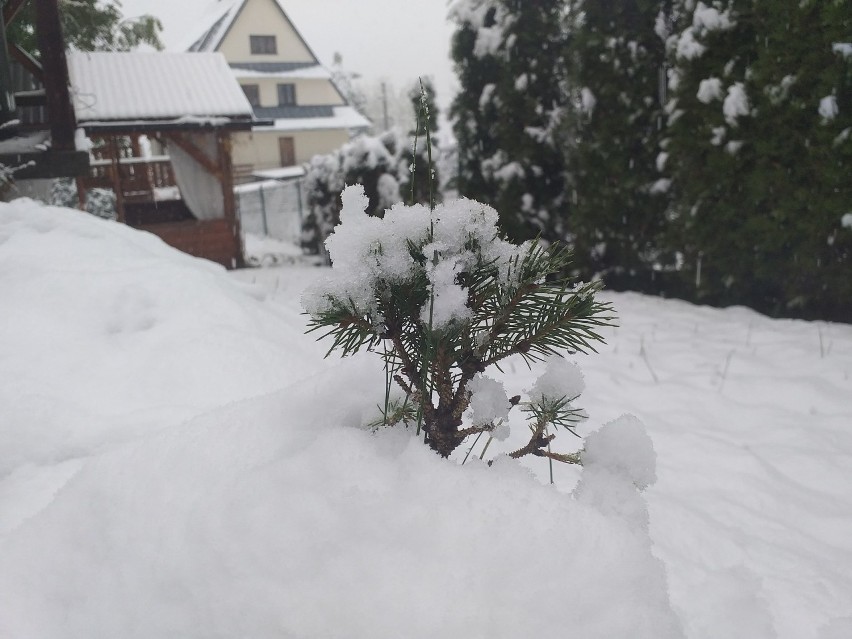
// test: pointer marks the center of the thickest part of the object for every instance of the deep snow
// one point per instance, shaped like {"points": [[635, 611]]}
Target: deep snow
{"points": [[177, 459]]}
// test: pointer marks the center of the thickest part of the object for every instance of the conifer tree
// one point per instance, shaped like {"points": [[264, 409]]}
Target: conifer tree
{"points": [[616, 57], [508, 57], [472, 112], [761, 155]]}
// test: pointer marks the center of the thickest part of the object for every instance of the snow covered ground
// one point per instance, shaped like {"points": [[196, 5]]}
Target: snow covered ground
{"points": [[177, 460]]}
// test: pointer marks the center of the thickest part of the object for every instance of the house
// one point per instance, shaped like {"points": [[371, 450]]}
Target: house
{"points": [[285, 84], [191, 105]]}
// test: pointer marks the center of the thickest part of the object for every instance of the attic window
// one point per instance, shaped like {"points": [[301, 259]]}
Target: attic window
{"points": [[263, 44]]}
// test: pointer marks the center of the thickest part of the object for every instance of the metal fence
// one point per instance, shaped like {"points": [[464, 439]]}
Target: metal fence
{"points": [[272, 208]]}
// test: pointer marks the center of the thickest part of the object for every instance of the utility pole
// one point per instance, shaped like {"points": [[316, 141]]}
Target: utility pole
{"points": [[385, 104]]}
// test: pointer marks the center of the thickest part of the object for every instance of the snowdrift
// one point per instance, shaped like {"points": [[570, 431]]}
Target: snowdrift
{"points": [[178, 461]]}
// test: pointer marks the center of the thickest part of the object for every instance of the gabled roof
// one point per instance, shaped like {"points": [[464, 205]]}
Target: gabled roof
{"points": [[219, 24], [156, 88]]}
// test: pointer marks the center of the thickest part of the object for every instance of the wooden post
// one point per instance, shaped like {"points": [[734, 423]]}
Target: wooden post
{"points": [[226, 168], [52, 47], [116, 178], [81, 193]]}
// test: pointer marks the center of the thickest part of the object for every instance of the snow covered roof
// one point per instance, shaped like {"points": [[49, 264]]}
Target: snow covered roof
{"points": [[284, 173], [175, 88], [280, 70], [343, 117]]}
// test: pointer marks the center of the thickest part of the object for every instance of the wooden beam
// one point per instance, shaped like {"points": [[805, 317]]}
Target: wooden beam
{"points": [[47, 164], [196, 154], [52, 47], [27, 61], [10, 11], [7, 93], [223, 144], [116, 178], [81, 193], [34, 98]]}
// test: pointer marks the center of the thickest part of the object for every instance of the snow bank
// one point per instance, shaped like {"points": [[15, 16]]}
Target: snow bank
{"points": [[149, 490], [107, 333]]}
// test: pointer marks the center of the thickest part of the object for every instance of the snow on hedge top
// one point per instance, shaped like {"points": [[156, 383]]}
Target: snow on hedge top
{"points": [[370, 252]]}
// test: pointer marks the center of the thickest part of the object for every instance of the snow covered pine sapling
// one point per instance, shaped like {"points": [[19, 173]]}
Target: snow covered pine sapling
{"points": [[443, 297]]}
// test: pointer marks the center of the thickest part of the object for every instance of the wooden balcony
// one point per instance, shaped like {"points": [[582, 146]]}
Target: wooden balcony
{"points": [[149, 179]]}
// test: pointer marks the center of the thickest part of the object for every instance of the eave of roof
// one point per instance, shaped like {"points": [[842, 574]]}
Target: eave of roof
{"points": [[345, 117], [179, 124]]}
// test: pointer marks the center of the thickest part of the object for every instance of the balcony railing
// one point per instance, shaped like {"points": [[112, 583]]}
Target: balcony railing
{"points": [[142, 179]]}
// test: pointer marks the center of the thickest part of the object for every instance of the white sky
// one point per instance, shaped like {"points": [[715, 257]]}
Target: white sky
{"points": [[391, 40]]}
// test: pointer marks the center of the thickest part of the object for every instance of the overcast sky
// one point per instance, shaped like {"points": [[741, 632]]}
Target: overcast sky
{"points": [[392, 40]]}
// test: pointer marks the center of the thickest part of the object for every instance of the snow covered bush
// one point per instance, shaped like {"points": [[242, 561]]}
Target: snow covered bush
{"points": [[389, 166], [371, 161], [99, 202], [445, 298], [6, 178]]}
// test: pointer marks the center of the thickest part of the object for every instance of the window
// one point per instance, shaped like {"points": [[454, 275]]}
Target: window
{"points": [[287, 148], [252, 92], [286, 94], [263, 44]]}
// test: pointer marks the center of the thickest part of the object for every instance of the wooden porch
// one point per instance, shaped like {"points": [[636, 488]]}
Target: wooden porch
{"points": [[148, 198]]}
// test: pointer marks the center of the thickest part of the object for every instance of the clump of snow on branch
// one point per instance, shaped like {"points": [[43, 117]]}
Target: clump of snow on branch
{"points": [[735, 104], [709, 90], [490, 38], [688, 47], [370, 252], [705, 19], [561, 380], [618, 462], [587, 100], [828, 108], [488, 404], [623, 447], [710, 19], [777, 93]]}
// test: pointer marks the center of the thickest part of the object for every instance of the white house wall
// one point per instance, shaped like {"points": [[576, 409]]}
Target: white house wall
{"points": [[263, 17], [308, 91], [260, 149]]}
